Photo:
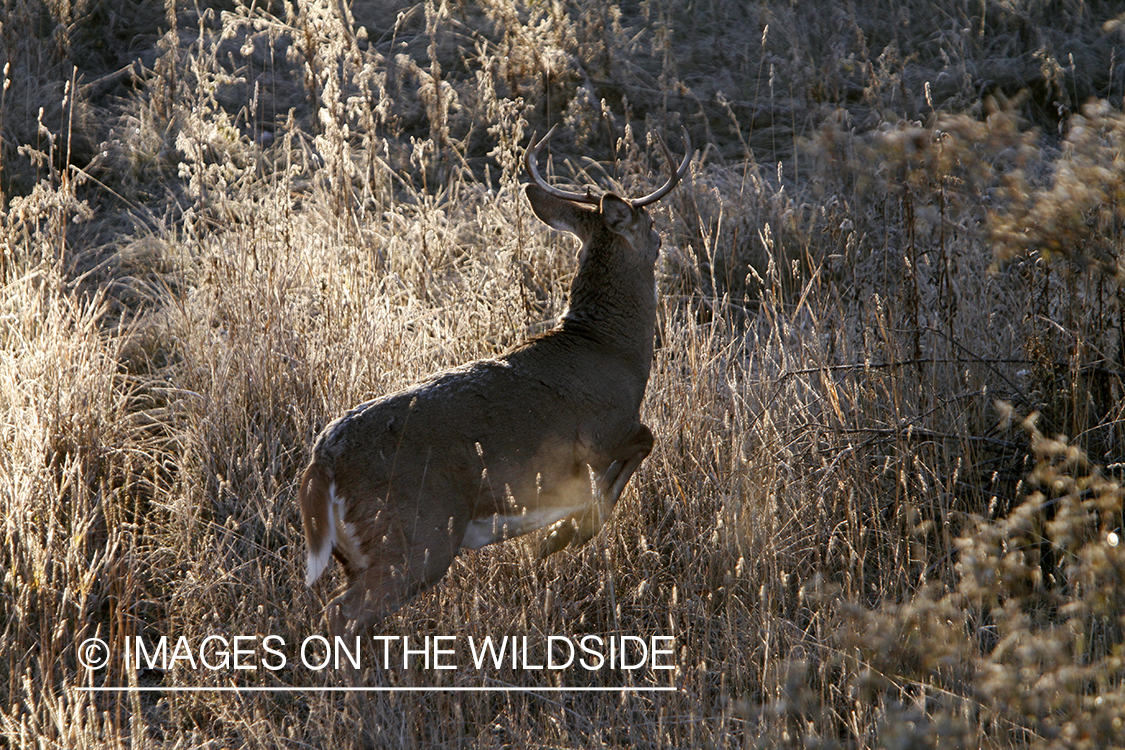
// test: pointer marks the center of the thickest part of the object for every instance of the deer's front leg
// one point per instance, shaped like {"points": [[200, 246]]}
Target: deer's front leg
{"points": [[579, 527]]}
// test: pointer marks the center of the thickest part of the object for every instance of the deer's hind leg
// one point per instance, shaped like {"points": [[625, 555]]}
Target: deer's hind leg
{"points": [[378, 590]]}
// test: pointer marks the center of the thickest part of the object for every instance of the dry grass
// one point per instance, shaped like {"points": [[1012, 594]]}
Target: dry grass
{"points": [[901, 236]]}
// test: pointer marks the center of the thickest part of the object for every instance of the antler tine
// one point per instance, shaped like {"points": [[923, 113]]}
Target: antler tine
{"points": [[677, 175], [529, 159]]}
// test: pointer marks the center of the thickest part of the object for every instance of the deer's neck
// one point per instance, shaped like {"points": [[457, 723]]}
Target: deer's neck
{"points": [[620, 317]]}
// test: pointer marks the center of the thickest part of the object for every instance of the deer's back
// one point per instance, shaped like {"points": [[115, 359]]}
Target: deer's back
{"points": [[487, 432]]}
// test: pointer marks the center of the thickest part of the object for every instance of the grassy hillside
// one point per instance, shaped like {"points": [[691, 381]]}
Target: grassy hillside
{"points": [[884, 508]]}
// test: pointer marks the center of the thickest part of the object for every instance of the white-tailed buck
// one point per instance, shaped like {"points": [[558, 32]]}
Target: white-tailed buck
{"points": [[546, 435]]}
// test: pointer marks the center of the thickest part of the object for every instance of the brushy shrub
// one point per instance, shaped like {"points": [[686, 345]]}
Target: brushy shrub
{"points": [[1030, 642]]}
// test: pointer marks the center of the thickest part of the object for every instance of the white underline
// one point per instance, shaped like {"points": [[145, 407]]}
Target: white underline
{"points": [[451, 689]]}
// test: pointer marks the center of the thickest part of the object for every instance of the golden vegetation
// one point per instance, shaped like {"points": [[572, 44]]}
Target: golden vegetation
{"points": [[891, 286]]}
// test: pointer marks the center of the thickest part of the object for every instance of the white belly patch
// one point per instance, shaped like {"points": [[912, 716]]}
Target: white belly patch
{"points": [[498, 527]]}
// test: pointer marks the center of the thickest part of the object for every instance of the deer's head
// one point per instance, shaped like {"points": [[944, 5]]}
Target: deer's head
{"points": [[607, 217], [614, 282]]}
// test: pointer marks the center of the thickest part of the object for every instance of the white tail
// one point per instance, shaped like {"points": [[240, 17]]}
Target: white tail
{"points": [[545, 436]]}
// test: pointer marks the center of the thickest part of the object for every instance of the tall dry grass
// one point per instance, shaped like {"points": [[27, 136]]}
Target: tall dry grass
{"points": [[900, 239]]}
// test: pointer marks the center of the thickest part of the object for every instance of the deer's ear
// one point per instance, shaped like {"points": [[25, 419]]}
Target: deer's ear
{"points": [[619, 215], [558, 212]]}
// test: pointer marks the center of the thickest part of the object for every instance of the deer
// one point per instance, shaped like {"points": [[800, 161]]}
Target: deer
{"points": [[545, 436]]}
